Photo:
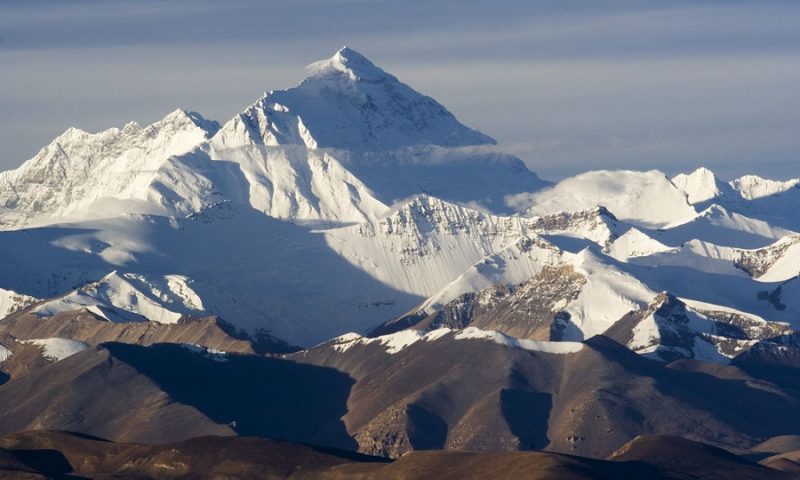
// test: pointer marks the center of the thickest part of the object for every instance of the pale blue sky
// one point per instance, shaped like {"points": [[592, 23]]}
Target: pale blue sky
{"points": [[565, 85]]}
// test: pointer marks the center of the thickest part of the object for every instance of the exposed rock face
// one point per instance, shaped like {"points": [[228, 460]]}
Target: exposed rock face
{"points": [[531, 310], [668, 329], [757, 262]]}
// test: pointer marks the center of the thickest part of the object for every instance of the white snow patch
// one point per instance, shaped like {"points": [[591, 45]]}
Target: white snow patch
{"points": [[57, 349], [394, 342], [530, 345], [5, 353], [211, 353]]}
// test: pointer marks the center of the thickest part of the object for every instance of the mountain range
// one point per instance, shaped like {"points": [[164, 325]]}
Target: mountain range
{"points": [[345, 264]]}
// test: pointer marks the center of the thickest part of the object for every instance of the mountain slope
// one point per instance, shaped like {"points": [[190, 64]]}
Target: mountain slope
{"points": [[474, 392], [648, 199], [59, 453]]}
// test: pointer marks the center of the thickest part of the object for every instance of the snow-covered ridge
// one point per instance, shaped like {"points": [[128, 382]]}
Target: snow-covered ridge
{"points": [[397, 342], [472, 333], [595, 293], [775, 201], [79, 170], [723, 226], [752, 187], [702, 185], [124, 297], [394, 342]]}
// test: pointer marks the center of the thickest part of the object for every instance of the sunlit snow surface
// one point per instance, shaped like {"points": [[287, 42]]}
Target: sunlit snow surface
{"points": [[57, 349], [397, 342], [351, 200]]}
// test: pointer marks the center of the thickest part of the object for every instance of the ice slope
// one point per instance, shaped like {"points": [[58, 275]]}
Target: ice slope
{"points": [[348, 103], [261, 273], [298, 184], [425, 243], [774, 263], [697, 254], [648, 198], [79, 173]]}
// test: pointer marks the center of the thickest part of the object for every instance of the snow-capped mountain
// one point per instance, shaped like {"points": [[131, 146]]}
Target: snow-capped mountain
{"points": [[347, 103], [350, 200], [749, 195], [82, 174], [350, 236]]}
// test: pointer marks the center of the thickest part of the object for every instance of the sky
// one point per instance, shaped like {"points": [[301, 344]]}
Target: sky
{"points": [[567, 86]]}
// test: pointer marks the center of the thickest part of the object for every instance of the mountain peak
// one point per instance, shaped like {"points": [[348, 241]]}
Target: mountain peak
{"points": [[184, 118], [700, 186], [349, 62], [348, 103]]}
